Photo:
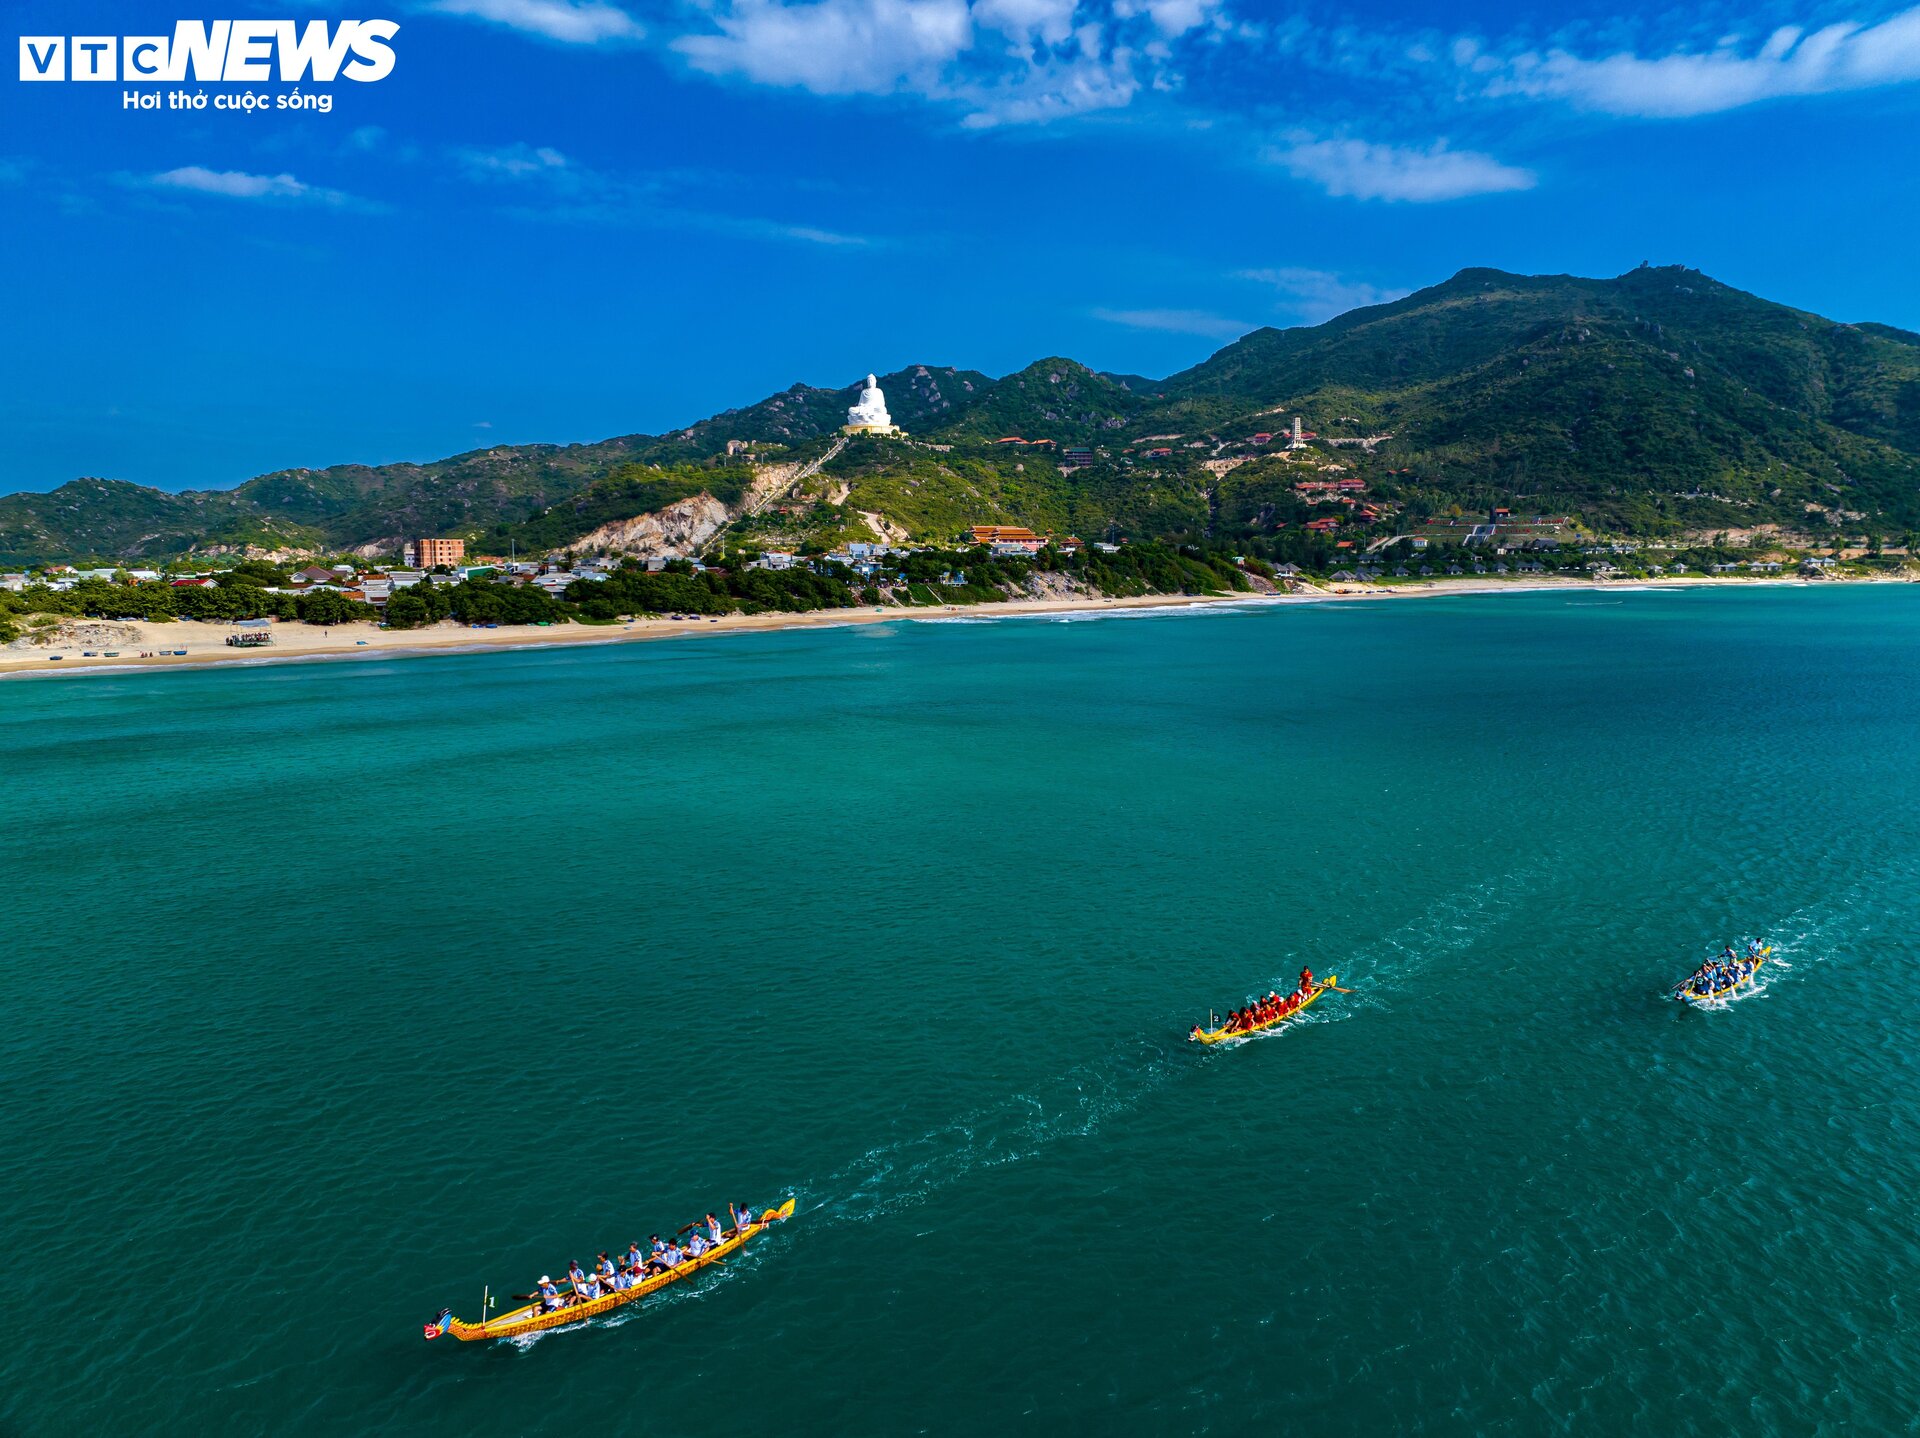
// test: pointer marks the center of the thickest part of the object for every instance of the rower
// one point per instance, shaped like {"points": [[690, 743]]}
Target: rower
{"points": [[656, 1245], [698, 1244], [671, 1256], [634, 1257], [743, 1216], [549, 1295], [604, 1268], [713, 1229], [1306, 980], [577, 1277]]}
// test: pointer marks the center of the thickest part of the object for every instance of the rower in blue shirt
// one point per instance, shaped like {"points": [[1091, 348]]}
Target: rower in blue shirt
{"points": [[549, 1295]]}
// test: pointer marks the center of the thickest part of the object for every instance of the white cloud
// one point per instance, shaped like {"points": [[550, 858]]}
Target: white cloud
{"points": [[1180, 322], [239, 185], [1317, 295], [812, 236], [1049, 21], [1366, 171], [1845, 56], [571, 22], [1171, 17], [1054, 88], [515, 162], [1001, 62], [834, 47], [568, 192]]}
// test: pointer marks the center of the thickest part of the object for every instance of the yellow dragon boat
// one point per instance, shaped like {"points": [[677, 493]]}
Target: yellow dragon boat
{"points": [[1221, 1035], [535, 1319], [1690, 994]]}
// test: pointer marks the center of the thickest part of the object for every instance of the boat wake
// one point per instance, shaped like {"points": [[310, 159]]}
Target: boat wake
{"points": [[1811, 935], [1451, 926], [909, 1172]]}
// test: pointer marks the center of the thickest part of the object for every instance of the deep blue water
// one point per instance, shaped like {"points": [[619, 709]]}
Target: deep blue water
{"points": [[334, 992]]}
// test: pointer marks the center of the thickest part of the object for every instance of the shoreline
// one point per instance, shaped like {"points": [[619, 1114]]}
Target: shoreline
{"points": [[206, 647]]}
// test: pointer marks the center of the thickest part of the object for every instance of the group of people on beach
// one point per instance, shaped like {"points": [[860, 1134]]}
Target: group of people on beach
{"points": [[1267, 1010], [638, 1265], [1718, 975]]}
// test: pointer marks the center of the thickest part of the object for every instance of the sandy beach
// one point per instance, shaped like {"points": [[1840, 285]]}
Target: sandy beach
{"points": [[144, 645]]}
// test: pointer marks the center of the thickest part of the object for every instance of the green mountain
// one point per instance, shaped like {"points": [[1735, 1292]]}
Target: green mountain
{"points": [[1621, 398], [1056, 399], [918, 398], [1660, 401]]}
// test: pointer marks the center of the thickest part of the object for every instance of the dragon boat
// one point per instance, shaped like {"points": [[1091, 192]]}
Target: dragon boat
{"points": [[1294, 1005], [1691, 994], [535, 1319]]}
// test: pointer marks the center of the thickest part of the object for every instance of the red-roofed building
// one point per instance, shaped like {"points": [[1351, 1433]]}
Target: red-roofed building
{"points": [[1008, 539]]}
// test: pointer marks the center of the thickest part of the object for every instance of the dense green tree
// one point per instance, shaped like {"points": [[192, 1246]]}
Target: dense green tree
{"points": [[328, 606], [408, 609]]}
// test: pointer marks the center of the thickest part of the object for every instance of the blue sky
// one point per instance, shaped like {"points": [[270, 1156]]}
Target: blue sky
{"points": [[568, 219]]}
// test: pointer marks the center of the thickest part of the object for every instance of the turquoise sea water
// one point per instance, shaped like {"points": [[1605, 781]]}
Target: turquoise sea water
{"points": [[336, 991]]}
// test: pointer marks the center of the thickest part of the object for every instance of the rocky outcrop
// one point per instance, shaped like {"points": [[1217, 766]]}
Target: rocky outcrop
{"points": [[884, 529], [78, 634], [671, 533]]}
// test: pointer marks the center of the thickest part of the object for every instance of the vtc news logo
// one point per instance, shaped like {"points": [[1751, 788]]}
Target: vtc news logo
{"points": [[206, 51]]}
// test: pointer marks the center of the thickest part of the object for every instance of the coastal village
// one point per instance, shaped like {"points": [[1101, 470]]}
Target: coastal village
{"points": [[1029, 568]]}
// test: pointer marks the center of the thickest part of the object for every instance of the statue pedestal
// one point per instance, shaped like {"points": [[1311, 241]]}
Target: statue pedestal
{"points": [[892, 429]]}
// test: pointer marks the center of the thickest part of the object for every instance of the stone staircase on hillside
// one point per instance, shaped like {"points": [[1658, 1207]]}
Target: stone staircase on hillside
{"points": [[780, 489]]}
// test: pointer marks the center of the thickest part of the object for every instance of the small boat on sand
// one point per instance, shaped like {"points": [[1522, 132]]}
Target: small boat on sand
{"points": [[1292, 1005], [535, 1319]]}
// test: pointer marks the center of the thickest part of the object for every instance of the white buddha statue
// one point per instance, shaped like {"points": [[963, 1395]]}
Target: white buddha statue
{"points": [[871, 412]]}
